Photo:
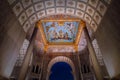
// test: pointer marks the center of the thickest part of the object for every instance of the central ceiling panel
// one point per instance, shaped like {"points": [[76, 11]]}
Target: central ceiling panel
{"points": [[58, 32]]}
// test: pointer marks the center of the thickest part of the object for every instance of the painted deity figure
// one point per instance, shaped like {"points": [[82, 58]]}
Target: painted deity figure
{"points": [[61, 34], [66, 36]]}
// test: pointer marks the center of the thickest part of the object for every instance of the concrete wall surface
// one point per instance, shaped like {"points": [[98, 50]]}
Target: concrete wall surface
{"points": [[108, 37], [11, 39]]}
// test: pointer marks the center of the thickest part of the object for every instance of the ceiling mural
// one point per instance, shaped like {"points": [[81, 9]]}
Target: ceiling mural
{"points": [[60, 29], [30, 11], [56, 32]]}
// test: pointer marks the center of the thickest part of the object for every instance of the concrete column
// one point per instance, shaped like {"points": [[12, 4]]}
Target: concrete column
{"points": [[27, 58], [95, 63]]}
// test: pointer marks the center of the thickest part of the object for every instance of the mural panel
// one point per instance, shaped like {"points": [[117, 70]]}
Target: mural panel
{"points": [[60, 31]]}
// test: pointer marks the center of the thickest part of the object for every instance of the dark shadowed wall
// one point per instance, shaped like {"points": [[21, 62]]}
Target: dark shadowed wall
{"points": [[108, 36], [11, 39]]}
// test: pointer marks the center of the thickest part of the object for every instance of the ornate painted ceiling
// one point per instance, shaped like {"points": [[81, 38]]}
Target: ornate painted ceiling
{"points": [[28, 12], [55, 32], [60, 30]]}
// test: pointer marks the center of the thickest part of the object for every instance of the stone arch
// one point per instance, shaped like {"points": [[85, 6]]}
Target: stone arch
{"points": [[61, 59]]}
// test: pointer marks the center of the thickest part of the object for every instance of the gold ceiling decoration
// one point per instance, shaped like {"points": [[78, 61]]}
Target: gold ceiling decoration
{"points": [[61, 21]]}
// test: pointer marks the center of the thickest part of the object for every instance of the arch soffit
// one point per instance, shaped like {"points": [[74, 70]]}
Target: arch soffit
{"points": [[30, 11], [61, 59]]}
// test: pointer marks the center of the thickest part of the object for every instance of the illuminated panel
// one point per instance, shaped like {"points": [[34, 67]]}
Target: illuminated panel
{"points": [[60, 31]]}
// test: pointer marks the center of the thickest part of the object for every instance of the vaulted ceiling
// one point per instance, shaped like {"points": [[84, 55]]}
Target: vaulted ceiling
{"points": [[30, 11]]}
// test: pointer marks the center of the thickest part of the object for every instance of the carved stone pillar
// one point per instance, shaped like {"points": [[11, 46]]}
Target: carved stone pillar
{"points": [[27, 58], [95, 63]]}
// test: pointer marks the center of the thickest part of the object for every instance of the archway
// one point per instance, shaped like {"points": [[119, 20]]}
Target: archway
{"points": [[61, 71], [61, 66]]}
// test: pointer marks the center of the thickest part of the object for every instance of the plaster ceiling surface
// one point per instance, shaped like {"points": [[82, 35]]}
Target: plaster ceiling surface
{"points": [[30, 11]]}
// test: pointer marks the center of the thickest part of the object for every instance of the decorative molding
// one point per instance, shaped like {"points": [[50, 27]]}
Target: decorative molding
{"points": [[26, 3], [22, 18], [49, 3], [79, 13], [97, 18], [81, 6], [89, 10], [70, 3], [17, 9], [70, 11], [30, 11], [50, 11], [33, 19], [26, 26], [39, 6], [93, 26], [60, 10], [41, 14], [102, 8], [93, 3], [87, 18], [60, 2]]}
